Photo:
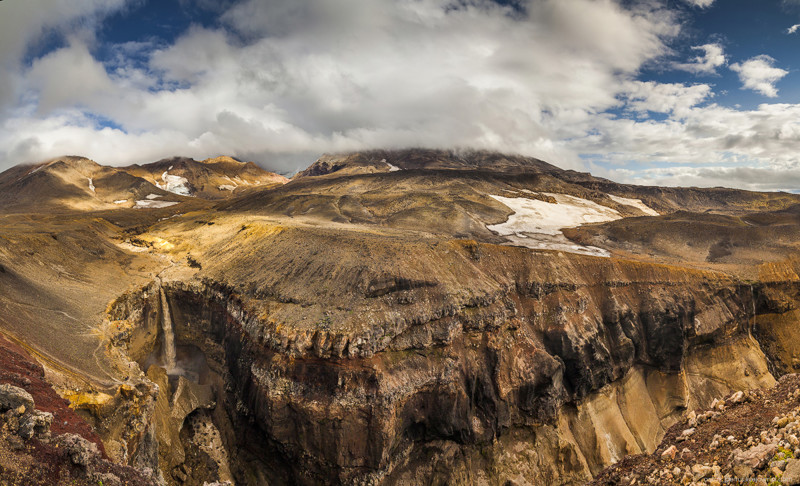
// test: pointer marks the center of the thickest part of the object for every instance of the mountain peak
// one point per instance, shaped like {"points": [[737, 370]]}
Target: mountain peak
{"points": [[371, 161], [223, 159]]}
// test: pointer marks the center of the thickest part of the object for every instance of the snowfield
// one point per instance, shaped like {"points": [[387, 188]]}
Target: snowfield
{"points": [[174, 184], [637, 203], [537, 224], [392, 168], [153, 204]]}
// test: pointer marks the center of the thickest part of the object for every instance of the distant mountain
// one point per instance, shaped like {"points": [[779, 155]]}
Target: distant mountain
{"points": [[216, 178], [78, 183], [412, 159], [71, 183]]}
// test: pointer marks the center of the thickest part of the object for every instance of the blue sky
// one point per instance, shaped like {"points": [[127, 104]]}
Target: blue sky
{"points": [[678, 92]]}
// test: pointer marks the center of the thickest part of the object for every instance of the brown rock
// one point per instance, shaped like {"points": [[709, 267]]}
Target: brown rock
{"points": [[756, 457], [791, 476], [669, 453]]}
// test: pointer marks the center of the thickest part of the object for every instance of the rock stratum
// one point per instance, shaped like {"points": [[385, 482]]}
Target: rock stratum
{"points": [[391, 317]]}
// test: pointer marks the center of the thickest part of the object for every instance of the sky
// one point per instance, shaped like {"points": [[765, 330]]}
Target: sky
{"points": [[666, 92]]}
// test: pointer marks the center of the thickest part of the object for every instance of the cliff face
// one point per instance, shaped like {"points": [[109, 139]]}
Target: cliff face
{"points": [[546, 381]]}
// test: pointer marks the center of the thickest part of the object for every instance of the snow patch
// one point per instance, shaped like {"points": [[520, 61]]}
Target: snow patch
{"points": [[537, 224], [151, 204], [38, 168], [227, 187], [637, 203], [154, 196], [175, 184], [91, 185], [120, 201], [392, 168]]}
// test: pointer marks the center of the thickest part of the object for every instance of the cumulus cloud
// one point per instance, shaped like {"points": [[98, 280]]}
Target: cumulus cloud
{"points": [[300, 77], [23, 24], [760, 74], [713, 56], [793, 29], [700, 3], [707, 140], [670, 98]]}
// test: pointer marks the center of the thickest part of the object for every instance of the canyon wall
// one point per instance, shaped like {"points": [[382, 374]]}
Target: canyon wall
{"points": [[546, 382]]}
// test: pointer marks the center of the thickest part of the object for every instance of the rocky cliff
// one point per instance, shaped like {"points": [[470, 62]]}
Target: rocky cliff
{"points": [[568, 367]]}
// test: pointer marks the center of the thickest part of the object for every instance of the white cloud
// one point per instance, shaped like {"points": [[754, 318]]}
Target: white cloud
{"points": [[700, 3], [793, 29], [713, 57], [759, 74], [314, 77], [706, 140], [665, 97], [22, 25]]}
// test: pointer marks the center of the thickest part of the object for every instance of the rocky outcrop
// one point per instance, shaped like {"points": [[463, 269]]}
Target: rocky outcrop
{"points": [[30, 455], [746, 437]]}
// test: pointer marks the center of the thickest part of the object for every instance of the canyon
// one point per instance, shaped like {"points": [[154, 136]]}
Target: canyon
{"points": [[391, 317]]}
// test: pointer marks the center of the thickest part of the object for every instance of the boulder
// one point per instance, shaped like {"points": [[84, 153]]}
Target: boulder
{"points": [[791, 476], [81, 451], [13, 397], [36, 424], [756, 457]]}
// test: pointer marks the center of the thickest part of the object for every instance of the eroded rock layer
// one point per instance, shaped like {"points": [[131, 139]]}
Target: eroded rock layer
{"points": [[548, 380]]}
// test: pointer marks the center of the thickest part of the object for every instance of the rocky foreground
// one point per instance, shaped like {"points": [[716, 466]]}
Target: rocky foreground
{"points": [[43, 441], [747, 438]]}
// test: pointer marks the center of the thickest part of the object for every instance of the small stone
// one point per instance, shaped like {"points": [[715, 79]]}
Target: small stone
{"points": [[778, 464], [688, 432], [670, 453], [742, 471], [737, 397], [782, 422], [179, 475], [15, 443], [776, 472], [701, 471]]}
